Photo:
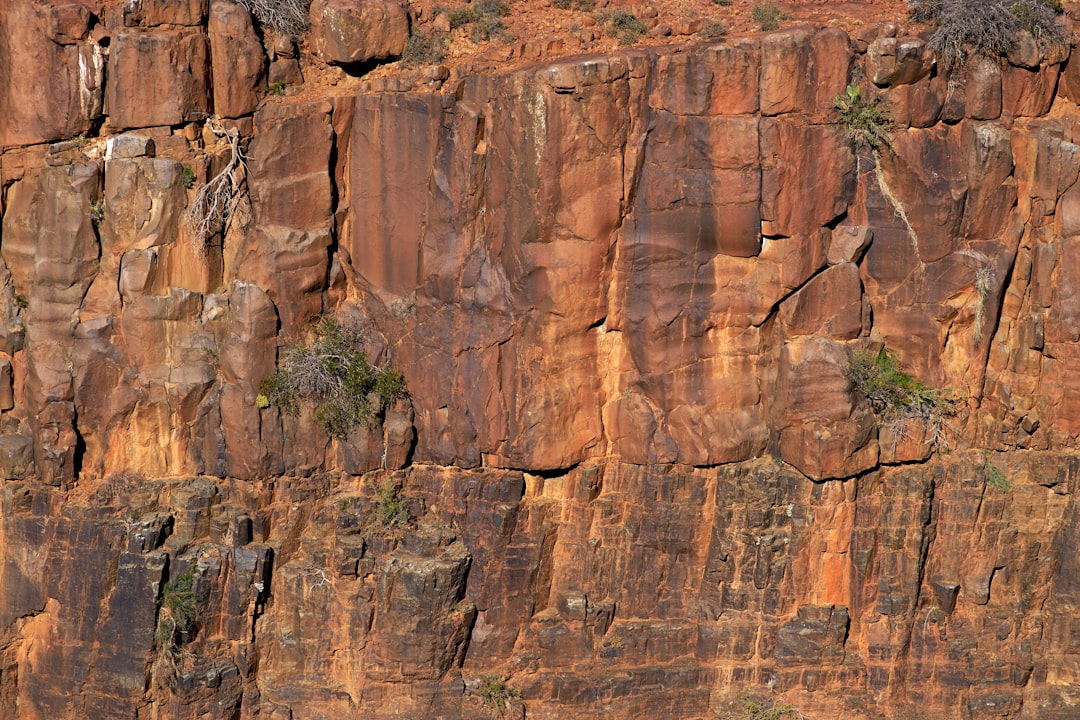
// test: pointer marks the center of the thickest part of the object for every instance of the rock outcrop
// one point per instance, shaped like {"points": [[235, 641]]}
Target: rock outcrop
{"points": [[624, 292]]}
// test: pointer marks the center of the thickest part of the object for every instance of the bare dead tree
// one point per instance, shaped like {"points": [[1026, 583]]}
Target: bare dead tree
{"points": [[288, 17], [989, 27], [216, 202]]}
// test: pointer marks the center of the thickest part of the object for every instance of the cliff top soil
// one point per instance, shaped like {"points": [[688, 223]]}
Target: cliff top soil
{"points": [[535, 30]]}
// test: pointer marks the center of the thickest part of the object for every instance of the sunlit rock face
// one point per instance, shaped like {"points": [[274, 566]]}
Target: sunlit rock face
{"points": [[630, 475]]}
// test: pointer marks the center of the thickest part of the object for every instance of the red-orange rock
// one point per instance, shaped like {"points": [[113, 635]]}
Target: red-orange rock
{"points": [[345, 32], [161, 77], [239, 61], [53, 82]]}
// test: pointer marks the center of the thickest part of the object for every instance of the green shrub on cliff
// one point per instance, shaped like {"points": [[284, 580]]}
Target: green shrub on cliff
{"points": [[333, 372], [868, 123], [768, 16], [496, 695], [424, 48], [178, 611], [754, 708], [893, 394], [988, 27], [623, 24]]}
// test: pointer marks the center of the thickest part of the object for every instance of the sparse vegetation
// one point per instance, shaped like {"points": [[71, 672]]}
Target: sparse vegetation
{"points": [[768, 16], [277, 88], [894, 395], [579, 5], [178, 610], [623, 24], [288, 17], [97, 212], [712, 31], [496, 695], [334, 373], [483, 17], [424, 48], [389, 510], [868, 123], [755, 708], [724, 3], [988, 27], [995, 476], [187, 177]]}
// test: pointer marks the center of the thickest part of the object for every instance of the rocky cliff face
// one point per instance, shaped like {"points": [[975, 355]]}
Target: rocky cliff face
{"points": [[624, 291]]}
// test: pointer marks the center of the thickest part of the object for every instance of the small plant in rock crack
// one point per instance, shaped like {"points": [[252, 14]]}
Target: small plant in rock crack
{"points": [[995, 476], [178, 611], [187, 177], [389, 510], [496, 695], [333, 372], [868, 123], [894, 395], [97, 213]]}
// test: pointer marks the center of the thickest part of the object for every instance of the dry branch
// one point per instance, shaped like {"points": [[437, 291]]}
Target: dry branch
{"points": [[288, 17], [216, 201]]}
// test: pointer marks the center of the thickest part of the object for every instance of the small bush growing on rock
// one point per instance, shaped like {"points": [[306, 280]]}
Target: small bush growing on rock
{"points": [[424, 48], [995, 476], [868, 123], [895, 395], [623, 24], [288, 17], [389, 510], [768, 16], [496, 695], [754, 708], [712, 31], [333, 372], [483, 17], [97, 212], [579, 5], [178, 611], [988, 27]]}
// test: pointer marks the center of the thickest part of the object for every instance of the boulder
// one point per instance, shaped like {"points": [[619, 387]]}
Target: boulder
{"points": [[345, 32]]}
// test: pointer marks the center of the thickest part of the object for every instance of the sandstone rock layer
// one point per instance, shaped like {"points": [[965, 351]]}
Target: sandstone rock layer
{"points": [[624, 292]]}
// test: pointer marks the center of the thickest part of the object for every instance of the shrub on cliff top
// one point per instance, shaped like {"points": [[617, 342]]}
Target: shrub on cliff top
{"points": [[623, 24], [334, 373], [288, 17], [988, 27], [424, 48], [768, 16]]}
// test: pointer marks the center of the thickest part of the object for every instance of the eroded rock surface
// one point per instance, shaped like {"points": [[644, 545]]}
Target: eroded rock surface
{"points": [[624, 292]]}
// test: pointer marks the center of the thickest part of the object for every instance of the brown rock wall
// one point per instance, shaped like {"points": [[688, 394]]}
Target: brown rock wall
{"points": [[624, 292]]}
